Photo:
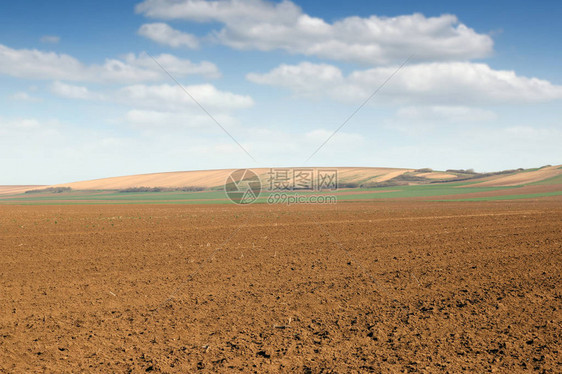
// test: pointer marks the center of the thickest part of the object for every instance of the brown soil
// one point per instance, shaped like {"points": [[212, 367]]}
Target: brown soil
{"points": [[358, 287]]}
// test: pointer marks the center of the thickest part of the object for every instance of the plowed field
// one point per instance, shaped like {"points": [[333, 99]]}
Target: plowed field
{"points": [[407, 286]]}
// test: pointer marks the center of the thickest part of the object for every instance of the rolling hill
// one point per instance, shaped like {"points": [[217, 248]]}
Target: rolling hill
{"points": [[210, 179], [348, 177]]}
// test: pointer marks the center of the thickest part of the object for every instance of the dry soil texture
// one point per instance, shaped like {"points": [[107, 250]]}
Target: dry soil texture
{"points": [[357, 287]]}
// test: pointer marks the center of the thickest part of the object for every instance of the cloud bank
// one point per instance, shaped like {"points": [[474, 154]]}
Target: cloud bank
{"points": [[445, 83], [265, 26], [36, 64]]}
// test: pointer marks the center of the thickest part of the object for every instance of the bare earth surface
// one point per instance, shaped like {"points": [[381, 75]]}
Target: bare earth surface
{"points": [[360, 287]]}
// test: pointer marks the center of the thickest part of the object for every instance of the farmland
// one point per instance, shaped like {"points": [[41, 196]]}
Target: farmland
{"points": [[355, 184], [280, 186], [461, 190], [402, 285], [423, 275]]}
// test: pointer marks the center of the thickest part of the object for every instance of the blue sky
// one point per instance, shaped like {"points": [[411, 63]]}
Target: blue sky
{"points": [[81, 98]]}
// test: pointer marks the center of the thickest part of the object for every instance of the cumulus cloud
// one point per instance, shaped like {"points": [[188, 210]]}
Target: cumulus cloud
{"points": [[416, 120], [549, 138], [74, 92], [52, 39], [24, 96], [305, 79], [19, 123], [166, 35], [172, 98], [35, 64], [158, 106], [174, 65], [156, 120], [265, 25], [448, 114], [445, 83]]}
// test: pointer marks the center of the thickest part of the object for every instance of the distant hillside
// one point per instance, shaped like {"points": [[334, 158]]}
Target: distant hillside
{"points": [[348, 177], [544, 174], [211, 179], [12, 190]]}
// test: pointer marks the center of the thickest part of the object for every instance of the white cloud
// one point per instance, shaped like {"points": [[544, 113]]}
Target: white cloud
{"points": [[24, 96], [164, 105], [157, 120], [525, 133], [416, 120], [222, 11], [305, 79], [174, 65], [164, 34], [52, 39], [265, 25], [35, 64], [74, 92], [172, 98], [21, 127], [20, 123], [26, 63], [448, 114], [447, 83]]}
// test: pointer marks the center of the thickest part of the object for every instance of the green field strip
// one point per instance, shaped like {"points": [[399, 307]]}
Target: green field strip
{"points": [[421, 191], [219, 197], [510, 197], [553, 180]]}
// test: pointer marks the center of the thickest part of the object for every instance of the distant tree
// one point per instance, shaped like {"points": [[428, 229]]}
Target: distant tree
{"points": [[51, 190]]}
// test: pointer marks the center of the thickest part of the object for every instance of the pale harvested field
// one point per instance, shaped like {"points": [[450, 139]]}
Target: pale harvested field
{"points": [[522, 178], [436, 175], [217, 178], [15, 189]]}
